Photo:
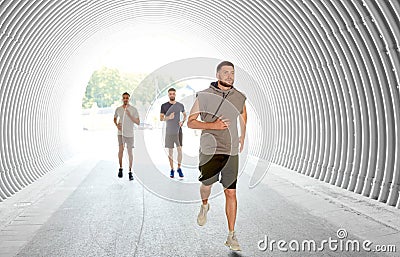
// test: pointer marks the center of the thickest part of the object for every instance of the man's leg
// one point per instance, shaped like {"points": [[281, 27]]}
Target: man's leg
{"points": [[179, 170], [229, 176], [179, 148], [209, 167], [130, 154], [120, 155], [230, 208], [171, 157], [205, 192], [178, 142], [169, 144]]}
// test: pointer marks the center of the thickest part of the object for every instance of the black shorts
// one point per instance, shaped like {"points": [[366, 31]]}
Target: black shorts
{"points": [[211, 166], [174, 139]]}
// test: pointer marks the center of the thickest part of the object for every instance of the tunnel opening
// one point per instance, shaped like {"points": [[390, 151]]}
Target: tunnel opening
{"points": [[330, 70], [127, 55]]}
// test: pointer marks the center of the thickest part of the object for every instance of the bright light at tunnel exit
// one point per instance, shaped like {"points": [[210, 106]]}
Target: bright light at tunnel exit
{"points": [[145, 48], [137, 48]]}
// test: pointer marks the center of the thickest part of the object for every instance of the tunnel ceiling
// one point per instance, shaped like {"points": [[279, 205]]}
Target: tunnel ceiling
{"points": [[330, 67]]}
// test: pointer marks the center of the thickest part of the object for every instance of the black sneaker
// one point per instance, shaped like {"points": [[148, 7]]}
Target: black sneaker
{"points": [[130, 175], [120, 173]]}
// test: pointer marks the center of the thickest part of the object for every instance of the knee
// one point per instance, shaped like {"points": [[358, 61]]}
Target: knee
{"points": [[205, 187], [230, 193]]}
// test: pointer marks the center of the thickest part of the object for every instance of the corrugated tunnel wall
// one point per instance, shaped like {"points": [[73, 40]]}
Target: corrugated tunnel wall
{"points": [[331, 68]]}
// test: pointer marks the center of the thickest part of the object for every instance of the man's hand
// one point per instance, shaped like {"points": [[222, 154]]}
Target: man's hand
{"points": [[180, 123], [129, 114], [220, 124], [119, 126], [171, 116], [241, 142]]}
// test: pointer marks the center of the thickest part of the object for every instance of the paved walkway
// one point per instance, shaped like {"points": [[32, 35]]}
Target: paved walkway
{"points": [[83, 209]]}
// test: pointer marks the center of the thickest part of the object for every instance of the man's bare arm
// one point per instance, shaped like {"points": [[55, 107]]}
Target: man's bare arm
{"points": [[136, 120], [165, 118], [243, 123], [184, 117], [133, 119], [193, 123], [119, 126]]}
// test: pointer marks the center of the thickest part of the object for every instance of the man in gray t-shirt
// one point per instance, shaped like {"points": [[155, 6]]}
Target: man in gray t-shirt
{"points": [[220, 107], [171, 113]]}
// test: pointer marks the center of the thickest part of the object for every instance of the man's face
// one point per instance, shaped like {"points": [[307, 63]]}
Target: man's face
{"points": [[125, 99], [227, 75], [171, 95]]}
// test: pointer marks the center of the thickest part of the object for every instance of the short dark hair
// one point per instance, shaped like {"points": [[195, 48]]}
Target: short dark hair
{"points": [[224, 63], [171, 89], [126, 93]]}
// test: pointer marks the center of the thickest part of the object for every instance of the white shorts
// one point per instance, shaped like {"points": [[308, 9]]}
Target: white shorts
{"points": [[125, 140]]}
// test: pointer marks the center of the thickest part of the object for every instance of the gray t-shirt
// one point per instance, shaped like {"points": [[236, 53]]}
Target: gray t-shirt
{"points": [[220, 141], [172, 126], [123, 118]]}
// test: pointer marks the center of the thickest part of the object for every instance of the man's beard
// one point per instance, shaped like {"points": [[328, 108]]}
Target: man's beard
{"points": [[225, 84], [172, 98]]}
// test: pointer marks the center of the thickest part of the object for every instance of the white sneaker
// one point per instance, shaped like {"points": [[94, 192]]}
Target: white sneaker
{"points": [[232, 242], [202, 217]]}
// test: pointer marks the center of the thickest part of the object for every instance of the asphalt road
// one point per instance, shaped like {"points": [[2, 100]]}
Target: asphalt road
{"points": [[108, 216]]}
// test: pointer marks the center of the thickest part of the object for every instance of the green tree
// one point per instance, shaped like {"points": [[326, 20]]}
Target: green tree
{"points": [[106, 86]]}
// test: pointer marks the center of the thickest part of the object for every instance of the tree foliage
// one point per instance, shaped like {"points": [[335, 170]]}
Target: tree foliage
{"points": [[106, 86]]}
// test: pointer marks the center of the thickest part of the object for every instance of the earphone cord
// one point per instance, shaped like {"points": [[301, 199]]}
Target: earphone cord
{"points": [[219, 106]]}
